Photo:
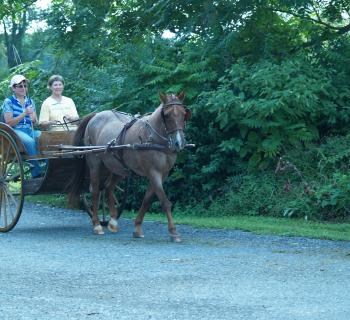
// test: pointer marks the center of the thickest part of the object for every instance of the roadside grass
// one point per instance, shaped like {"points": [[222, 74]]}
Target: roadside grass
{"points": [[255, 224]]}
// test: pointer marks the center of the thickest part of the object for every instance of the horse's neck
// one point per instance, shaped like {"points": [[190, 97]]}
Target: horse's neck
{"points": [[156, 121]]}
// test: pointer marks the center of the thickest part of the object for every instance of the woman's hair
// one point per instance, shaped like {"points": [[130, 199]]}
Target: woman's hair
{"points": [[54, 78]]}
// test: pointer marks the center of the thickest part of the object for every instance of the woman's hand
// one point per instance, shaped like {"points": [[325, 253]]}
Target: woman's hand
{"points": [[70, 119], [45, 125], [29, 111]]}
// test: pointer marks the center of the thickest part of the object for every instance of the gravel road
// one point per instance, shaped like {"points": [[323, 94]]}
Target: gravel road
{"points": [[53, 267]]}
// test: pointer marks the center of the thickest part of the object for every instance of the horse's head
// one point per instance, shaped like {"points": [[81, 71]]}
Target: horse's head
{"points": [[175, 114]]}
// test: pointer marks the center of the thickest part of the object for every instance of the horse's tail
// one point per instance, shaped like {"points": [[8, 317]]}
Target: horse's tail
{"points": [[75, 184]]}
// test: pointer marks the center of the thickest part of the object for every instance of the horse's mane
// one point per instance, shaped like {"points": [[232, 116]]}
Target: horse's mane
{"points": [[79, 134]]}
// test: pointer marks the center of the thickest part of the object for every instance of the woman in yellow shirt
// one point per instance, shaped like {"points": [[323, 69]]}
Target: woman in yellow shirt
{"points": [[58, 109]]}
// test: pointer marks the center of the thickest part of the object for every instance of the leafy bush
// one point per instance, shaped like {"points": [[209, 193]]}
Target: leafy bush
{"points": [[38, 79], [311, 183], [264, 109]]}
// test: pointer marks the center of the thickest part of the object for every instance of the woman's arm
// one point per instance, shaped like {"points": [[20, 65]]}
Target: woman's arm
{"points": [[73, 113], [44, 116], [11, 121]]}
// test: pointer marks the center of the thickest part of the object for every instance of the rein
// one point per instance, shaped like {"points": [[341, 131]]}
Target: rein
{"points": [[149, 126], [167, 131], [119, 140], [65, 124]]}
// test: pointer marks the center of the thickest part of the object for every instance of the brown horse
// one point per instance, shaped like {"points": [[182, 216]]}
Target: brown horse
{"points": [[164, 129]]}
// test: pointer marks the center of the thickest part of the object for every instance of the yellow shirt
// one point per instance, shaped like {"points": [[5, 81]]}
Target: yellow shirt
{"points": [[52, 110]]}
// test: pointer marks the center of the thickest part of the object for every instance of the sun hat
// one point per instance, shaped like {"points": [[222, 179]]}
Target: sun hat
{"points": [[16, 79]]}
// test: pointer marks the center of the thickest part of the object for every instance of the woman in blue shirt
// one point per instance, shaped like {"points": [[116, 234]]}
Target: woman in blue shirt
{"points": [[19, 113]]}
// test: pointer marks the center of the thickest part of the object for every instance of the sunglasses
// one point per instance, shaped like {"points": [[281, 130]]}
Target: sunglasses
{"points": [[20, 86]]}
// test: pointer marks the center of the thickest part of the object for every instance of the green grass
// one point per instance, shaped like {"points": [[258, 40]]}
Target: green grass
{"points": [[256, 224], [261, 225], [57, 200]]}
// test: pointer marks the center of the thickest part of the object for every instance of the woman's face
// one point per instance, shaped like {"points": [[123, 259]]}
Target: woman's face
{"points": [[57, 88], [20, 89]]}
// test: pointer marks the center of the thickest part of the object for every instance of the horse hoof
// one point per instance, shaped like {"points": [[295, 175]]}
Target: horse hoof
{"points": [[175, 238], [113, 228], [138, 235], [113, 225], [98, 230]]}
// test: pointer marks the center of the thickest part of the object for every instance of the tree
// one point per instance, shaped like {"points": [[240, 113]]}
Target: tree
{"points": [[15, 16], [261, 76]]}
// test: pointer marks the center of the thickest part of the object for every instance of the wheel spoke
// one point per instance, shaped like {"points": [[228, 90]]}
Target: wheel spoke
{"points": [[4, 213], [116, 200], [9, 207], [8, 169], [2, 154], [10, 196], [102, 212], [11, 182], [1, 201], [5, 162]]}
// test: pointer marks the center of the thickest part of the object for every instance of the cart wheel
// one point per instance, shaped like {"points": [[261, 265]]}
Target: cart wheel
{"points": [[103, 214], [11, 182], [121, 194]]}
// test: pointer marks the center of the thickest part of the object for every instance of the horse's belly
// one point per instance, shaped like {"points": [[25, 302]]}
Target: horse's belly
{"points": [[143, 162], [139, 162], [114, 165]]}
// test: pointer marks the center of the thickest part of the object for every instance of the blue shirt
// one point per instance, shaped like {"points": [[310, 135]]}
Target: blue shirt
{"points": [[12, 105]]}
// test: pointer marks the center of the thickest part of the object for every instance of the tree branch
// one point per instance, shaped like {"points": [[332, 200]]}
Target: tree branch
{"points": [[302, 17], [329, 32], [23, 25], [309, 10], [5, 34]]}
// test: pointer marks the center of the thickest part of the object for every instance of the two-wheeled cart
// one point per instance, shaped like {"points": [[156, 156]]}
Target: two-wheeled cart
{"points": [[58, 165]]}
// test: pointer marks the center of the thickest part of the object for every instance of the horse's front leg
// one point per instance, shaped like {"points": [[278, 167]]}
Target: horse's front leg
{"points": [[113, 222], [157, 184], [146, 204], [95, 195]]}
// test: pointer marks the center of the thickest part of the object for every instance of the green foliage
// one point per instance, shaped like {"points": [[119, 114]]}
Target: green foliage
{"points": [[10, 8], [264, 109], [264, 79], [323, 192], [37, 77], [314, 185], [332, 199]]}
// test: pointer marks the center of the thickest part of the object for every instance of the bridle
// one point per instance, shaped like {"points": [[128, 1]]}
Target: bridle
{"points": [[167, 139], [169, 105], [152, 131]]}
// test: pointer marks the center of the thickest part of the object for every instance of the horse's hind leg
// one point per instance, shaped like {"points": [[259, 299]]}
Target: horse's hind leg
{"points": [[95, 194], [146, 204], [113, 223]]}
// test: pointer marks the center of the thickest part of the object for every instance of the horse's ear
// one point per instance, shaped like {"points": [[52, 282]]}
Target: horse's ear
{"points": [[181, 96], [188, 114], [162, 97]]}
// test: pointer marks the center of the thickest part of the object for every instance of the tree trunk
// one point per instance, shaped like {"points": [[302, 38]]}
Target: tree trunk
{"points": [[14, 39]]}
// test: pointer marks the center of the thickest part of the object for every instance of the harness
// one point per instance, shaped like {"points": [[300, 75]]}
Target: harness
{"points": [[120, 139]]}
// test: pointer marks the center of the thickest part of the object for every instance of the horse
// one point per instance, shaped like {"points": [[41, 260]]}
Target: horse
{"points": [[162, 134]]}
